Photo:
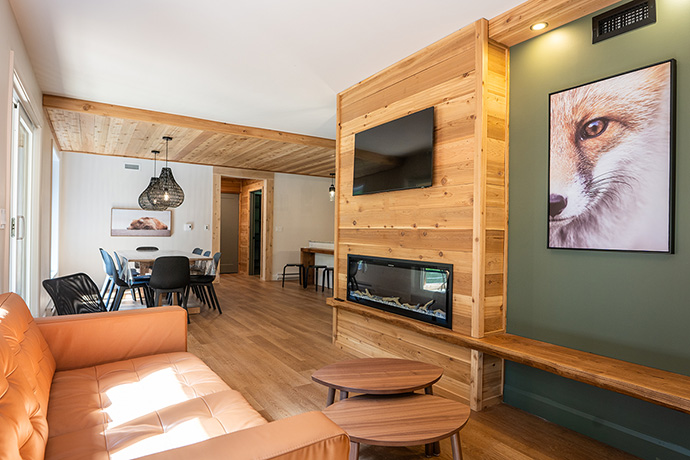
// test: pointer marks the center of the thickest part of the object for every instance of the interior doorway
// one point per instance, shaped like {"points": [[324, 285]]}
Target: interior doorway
{"points": [[229, 232], [255, 232]]}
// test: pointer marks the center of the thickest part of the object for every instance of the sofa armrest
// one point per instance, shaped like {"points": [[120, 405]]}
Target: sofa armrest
{"points": [[90, 339], [310, 436]]}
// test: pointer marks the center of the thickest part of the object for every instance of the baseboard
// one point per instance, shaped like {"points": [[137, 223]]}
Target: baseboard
{"points": [[611, 433]]}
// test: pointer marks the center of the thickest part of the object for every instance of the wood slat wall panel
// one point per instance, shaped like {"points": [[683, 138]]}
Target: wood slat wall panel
{"points": [[376, 338]]}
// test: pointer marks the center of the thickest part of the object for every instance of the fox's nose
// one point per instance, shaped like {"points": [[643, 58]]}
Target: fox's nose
{"points": [[557, 204]]}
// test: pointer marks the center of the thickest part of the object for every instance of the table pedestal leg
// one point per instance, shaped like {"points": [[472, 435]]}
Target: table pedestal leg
{"points": [[354, 451], [456, 446], [331, 396]]}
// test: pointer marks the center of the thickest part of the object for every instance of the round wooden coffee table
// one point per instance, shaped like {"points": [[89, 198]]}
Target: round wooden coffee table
{"points": [[377, 376], [399, 420]]}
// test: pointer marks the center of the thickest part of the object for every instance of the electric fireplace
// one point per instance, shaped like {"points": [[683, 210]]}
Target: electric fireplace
{"points": [[418, 290]]}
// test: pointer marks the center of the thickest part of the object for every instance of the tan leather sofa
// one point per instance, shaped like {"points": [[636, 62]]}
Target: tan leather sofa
{"points": [[121, 385]]}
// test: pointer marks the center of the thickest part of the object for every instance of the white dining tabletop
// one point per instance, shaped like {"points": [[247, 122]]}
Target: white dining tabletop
{"points": [[149, 256]]}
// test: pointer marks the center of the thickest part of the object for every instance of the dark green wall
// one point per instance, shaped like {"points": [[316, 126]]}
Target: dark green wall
{"points": [[631, 306]]}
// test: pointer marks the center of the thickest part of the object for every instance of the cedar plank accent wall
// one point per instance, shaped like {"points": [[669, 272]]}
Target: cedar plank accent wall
{"points": [[461, 219], [230, 185]]}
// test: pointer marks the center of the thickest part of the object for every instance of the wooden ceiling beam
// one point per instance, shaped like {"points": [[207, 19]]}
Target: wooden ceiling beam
{"points": [[149, 116], [513, 26]]}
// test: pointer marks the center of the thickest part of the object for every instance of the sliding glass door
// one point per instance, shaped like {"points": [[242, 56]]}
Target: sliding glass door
{"points": [[22, 146]]}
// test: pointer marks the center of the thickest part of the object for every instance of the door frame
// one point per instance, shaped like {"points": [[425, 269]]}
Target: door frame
{"points": [[266, 186]]}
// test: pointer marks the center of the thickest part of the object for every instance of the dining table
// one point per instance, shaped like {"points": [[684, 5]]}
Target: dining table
{"points": [[142, 261]]}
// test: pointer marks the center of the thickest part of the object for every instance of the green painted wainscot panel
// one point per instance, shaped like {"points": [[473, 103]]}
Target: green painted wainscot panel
{"points": [[626, 305]]}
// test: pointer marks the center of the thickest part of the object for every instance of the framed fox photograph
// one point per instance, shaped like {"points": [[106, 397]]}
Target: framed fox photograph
{"points": [[611, 162]]}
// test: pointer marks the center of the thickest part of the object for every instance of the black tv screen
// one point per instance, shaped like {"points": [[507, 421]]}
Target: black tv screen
{"points": [[397, 155]]}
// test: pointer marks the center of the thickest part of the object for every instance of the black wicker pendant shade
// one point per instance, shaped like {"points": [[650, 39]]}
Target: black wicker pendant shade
{"points": [[166, 191], [144, 202]]}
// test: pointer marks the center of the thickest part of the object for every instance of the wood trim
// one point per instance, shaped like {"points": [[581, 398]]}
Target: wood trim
{"points": [[267, 234], [239, 173], [657, 386], [479, 182], [336, 226], [477, 382], [513, 26], [149, 116], [215, 235]]}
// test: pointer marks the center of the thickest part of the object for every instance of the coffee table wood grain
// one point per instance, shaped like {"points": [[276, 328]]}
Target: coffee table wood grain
{"points": [[400, 420], [377, 376]]}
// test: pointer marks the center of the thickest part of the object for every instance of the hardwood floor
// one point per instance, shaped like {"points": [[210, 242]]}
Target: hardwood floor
{"points": [[269, 340]]}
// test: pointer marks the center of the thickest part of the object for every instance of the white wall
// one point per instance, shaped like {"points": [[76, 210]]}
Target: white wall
{"points": [[302, 212], [13, 56], [91, 185]]}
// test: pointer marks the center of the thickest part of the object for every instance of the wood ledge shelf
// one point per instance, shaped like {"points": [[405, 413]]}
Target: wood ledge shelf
{"points": [[657, 386]]}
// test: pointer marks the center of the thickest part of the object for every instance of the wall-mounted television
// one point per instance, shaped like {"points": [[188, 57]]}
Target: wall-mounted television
{"points": [[397, 155]]}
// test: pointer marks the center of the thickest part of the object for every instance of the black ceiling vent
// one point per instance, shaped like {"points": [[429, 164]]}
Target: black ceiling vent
{"points": [[623, 19]]}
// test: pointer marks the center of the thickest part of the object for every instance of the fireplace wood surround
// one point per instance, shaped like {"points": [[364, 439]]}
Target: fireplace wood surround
{"points": [[460, 220]]}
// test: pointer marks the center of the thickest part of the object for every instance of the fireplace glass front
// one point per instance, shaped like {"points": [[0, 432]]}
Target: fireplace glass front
{"points": [[419, 290]]}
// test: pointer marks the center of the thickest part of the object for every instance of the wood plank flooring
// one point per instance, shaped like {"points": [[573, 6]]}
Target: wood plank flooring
{"points": [[269, 340]]}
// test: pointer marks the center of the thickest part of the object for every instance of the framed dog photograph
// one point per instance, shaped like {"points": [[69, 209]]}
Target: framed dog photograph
{"points": [[138, 222], [611, 162]]}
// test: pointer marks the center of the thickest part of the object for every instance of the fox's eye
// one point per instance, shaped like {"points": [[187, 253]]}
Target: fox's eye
{"points": [[594, 128]]}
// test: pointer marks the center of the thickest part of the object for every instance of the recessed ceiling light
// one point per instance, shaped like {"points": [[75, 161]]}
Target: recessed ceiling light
{"points": [[539, 26]]}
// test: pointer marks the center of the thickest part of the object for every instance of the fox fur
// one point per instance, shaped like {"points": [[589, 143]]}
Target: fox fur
{"points": [[609, 166]]}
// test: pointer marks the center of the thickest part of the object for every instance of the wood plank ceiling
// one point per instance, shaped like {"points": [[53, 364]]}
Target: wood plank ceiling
{"points": [[104, 129]]}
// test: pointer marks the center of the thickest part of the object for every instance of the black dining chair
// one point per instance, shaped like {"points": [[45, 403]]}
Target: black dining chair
{"points": [[207, 253], [197, 251], [74, 294], [147, 248], [203, 286], [170, 275]]}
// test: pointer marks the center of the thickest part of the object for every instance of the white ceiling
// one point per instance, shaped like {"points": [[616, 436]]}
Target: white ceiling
{"points": [[273, 64]]}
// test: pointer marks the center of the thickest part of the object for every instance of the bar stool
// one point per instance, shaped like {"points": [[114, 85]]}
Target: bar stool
{"points": [[327, 276], [302, 277], [316, 275]]}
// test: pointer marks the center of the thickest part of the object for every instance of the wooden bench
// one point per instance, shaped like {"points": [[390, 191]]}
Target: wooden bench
{"points": [[660, 387]]}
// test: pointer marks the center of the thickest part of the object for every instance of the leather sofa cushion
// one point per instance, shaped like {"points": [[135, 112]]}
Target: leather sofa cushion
{"points": [[23, 428], [31, 353], [141, 406]]}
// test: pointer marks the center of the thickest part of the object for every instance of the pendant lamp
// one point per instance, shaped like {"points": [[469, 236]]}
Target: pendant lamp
{"points": [[331, 189], [144, 202], [166, 191]]}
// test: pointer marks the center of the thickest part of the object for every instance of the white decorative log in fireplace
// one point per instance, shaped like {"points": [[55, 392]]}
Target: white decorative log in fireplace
{"points": [[418, 290]]}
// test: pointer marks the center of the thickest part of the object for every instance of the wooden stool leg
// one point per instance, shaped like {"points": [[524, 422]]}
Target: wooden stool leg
{"points": [[354, 450], [331, 396], [456, 446]]}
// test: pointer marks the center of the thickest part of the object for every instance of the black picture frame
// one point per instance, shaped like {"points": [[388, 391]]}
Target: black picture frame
{"points": [[611, 179]]}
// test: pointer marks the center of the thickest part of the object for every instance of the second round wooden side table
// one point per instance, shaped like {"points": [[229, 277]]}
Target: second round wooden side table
{"points": [[400, 420]]}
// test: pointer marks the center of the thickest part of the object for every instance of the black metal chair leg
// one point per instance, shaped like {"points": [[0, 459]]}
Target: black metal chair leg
{"points": [[118, 298], [213, 301], [213, 292]]}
